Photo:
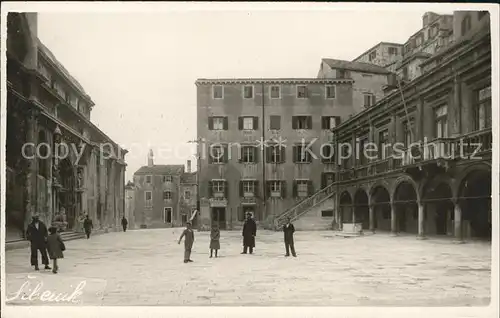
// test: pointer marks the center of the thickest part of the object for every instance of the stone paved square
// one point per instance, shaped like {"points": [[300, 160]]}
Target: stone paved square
{"points": [[145, 267]]}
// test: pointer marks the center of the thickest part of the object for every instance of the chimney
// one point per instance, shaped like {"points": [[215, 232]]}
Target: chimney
{"points": [[188, 168], [150, 158]]}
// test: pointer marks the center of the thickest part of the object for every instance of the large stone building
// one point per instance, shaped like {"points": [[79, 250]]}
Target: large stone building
{"points": [[437, 180], [165, 195], [49, 111]]}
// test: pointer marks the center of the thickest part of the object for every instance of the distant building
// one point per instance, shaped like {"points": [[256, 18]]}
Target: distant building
{"points": [[165, 195]]}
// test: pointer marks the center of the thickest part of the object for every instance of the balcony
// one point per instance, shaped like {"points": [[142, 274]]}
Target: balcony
{"points": [[218, 202], [475, 144]]}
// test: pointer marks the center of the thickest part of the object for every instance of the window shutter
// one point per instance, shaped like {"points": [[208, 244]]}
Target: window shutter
{"points": [[210, 157], [256, 154], [337, 121], [283, 154], [225, 123], [309, 122], [210, 189], [283, 189], [240, 123], [268, 154], [294, 122], [256, 188], [323, 180], [210, 123], [295, 152], [268, 189], [310, 187], [374, 99], [240, 154], [226, 189], [323, 122], [225, 156], [294, 192], [241, 189], [255, 123]]}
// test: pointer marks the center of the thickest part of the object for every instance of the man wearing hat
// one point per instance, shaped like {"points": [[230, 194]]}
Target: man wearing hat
{"points": [[249, 232], [37, 235]]}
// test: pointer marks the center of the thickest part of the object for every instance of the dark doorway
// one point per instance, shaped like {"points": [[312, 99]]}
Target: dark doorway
{"points": [[219, 217], [184, 219]]}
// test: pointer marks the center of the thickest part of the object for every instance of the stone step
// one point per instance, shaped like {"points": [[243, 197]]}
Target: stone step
{"points": [[69, 236]]}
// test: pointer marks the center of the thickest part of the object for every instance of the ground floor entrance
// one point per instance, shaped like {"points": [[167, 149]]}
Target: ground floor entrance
{"points": [[219, 217]]}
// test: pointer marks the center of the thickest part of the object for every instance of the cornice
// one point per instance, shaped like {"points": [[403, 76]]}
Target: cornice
{"points": [[272, 81]]}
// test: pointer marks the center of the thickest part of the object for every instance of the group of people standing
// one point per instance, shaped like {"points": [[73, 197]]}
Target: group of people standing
{"points": [[249, 232], [49, 240]]}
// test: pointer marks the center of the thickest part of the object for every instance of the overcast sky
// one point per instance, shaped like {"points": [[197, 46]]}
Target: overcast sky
{"points": [[140, 68]]}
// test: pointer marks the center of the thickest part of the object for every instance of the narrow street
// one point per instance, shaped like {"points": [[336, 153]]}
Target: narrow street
{"points": [[145, 267]]}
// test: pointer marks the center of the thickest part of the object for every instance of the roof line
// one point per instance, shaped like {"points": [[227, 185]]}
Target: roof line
{"points": [[389, 43]]}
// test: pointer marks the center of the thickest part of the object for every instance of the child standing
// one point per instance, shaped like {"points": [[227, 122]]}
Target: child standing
{"points": [[214, 240], [188, 236], [56, 246]]}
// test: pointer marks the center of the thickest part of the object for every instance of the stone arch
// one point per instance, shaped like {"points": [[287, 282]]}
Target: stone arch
{"points": [[346, 207], [408, 180], [361, 208], [378, 184], [437, 196], [432, 183], [380, 199], [486, 167], [405, 200], [474, 199]]}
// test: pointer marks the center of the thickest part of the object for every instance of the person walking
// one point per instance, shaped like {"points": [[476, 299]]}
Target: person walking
{"points": [[56, 246], [288, 230], [88, 226], [188, 235], [214, 240], [124, 224], [249, 233], [37, 234]]}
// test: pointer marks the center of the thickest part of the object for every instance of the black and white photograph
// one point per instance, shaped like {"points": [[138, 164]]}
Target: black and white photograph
{"points": [[240, 159]]}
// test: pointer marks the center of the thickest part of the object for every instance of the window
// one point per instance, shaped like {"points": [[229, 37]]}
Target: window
{"points": [[369, 99], [362, 160], [327, 153], [275, 122], [275, 154], [327, 178], [248, 123], [327, 213], [330, 91], [218, 188], [343, 74], [167, 195], [383, 139], [248, 91], [302, 188], [482, 113], [148, 197], [372, 56], [434, 31], [329, 122], [275, 91], [405, 73], [407, 128], [345, 161], [441, 121], [218, 154], [301, 154], [419, 40], [466, 24], [248, 188], [301, 91], [167, 179], [217, 123], [149, 179], [187, 195], [302, 122], [167, 215], [393, 50], [276, 189], [218, 91], [248, 154]]}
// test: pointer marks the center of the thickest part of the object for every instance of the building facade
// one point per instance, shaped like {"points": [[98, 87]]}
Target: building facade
{"points": [[58, 162], [434, 175], [237, 175], [165, 195]]}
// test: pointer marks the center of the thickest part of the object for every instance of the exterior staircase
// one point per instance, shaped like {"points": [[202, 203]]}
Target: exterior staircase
{"points": [[70, 235], [304, 206]]}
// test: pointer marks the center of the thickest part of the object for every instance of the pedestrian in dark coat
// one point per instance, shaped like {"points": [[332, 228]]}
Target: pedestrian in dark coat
{"points": [[288, 230], [56, 246], [249, 232], [88, 226], [124, 224], [188, 236], [214, 239], [37, 234]]}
